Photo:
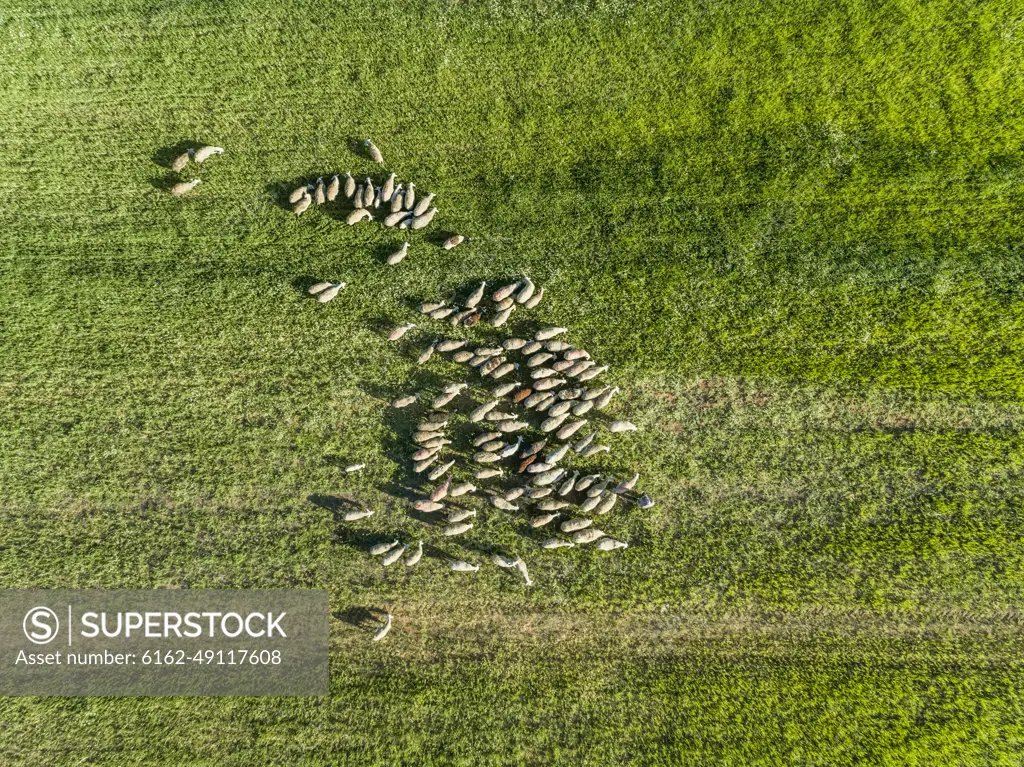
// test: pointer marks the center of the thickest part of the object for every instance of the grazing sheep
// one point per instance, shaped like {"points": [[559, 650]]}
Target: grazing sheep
{"points": [[461, 566], [204, 153], [548, 477], [504, 304], [424, 453], [567, 431], [544, 519], [566, 487], [610, 544], [531, 347], [404, 401], [440, 471], [333, 188], [589, 535], [582, 408], [502, 317], [478, 413], [394, 555], [439, 492], [382, 548], [526, 292], [512, 344], [382, 632], [487, 436], [476, 296], [184, 187], [483, 456], [369, 193], [460, 515], [535, 448], [387, 191], [535, 300], [597, 488], [590, 452], [399, 254], [572, 525], [557, 454], [545, 384], [539, 359], [299, 193], [502, 389], [502, 561], [587, 481], [550, 504], [504, 369], [584, 443], [615, 427], [410, 196], [607, 503], [414, 558], [487, 473], [400, 331], [627, 484], [397, 198], [349, 186], [320, 196], [592, 373], [420, 221], [352, 516], [395, 218], [504, 292], [450, 344], [500, 503], [423, 359], [603, 399], [556, 543], [421, 466], [422, 505], [353, 468], [458, 529], [507, 427], [521, 567], [357, 215], [375, 154], [546, 333], [537, 493], [182, 160], [357, 198], [462, 489]]}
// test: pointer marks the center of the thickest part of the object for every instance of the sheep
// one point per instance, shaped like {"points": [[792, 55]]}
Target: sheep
{"points": [[550, 424], [375, 154], [423, 359], [548, 333], [500, 503], [457, 529], [387, 191], [502, 561], [548, 477], [487, 473], [204, 153], [414, 559], [397, 198], [483, 456], [299, 192], [566, 487], [513, 493], [349, 186], [539, 359], [333, 188], [394, 555], [535, 300], [320, 196], [582, 408], [512, 344], [627, 484], [556, 543], [404, 401], [615, 427], [461, 489], [478, 413], [557, 454], [593, 450], [382, 632], [521, 567], [399, 254], [504, 304], [507, 427], [543, 520], [550, 504], [422, 220], [449, 344], [526, 292], [400, 331], [545, 384], [476, 296], [505, 291], [182, 160], [502, 317], [607, 503], [420, 466], [352, 516], [572, 525], [460, 515], [584, 443], [504, 370], [536, 493], [610, 544], [645, 502], [440, 471], [534, 448], [461, 566], [410, 197], [184, 187], [357, 215], [382, 548], [606, 397], [355, 467], [422, 505], [439, 492], [502, 389], [592, 373], [396, 218], [589, 535]]}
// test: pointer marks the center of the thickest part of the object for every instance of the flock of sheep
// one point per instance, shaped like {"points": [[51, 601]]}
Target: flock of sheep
{"points": [[547, 398]]}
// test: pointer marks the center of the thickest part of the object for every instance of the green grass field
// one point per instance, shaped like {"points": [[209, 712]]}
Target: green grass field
{"points": [[792, 228]]}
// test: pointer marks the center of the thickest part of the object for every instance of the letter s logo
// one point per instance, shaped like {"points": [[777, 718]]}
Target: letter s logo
{"points": [[41, 625]]}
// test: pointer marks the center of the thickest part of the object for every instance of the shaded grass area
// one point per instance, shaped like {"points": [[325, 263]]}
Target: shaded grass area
{"points": [[792, 228]]}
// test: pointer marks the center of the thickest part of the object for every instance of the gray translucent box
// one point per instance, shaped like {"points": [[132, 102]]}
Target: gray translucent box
{"points": [[163, 642]]}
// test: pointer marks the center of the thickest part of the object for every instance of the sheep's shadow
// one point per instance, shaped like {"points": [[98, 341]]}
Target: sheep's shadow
{"points": [[363, 618]]}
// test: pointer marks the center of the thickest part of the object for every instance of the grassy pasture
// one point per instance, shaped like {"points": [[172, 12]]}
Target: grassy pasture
{"points": [[792, 228]]}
